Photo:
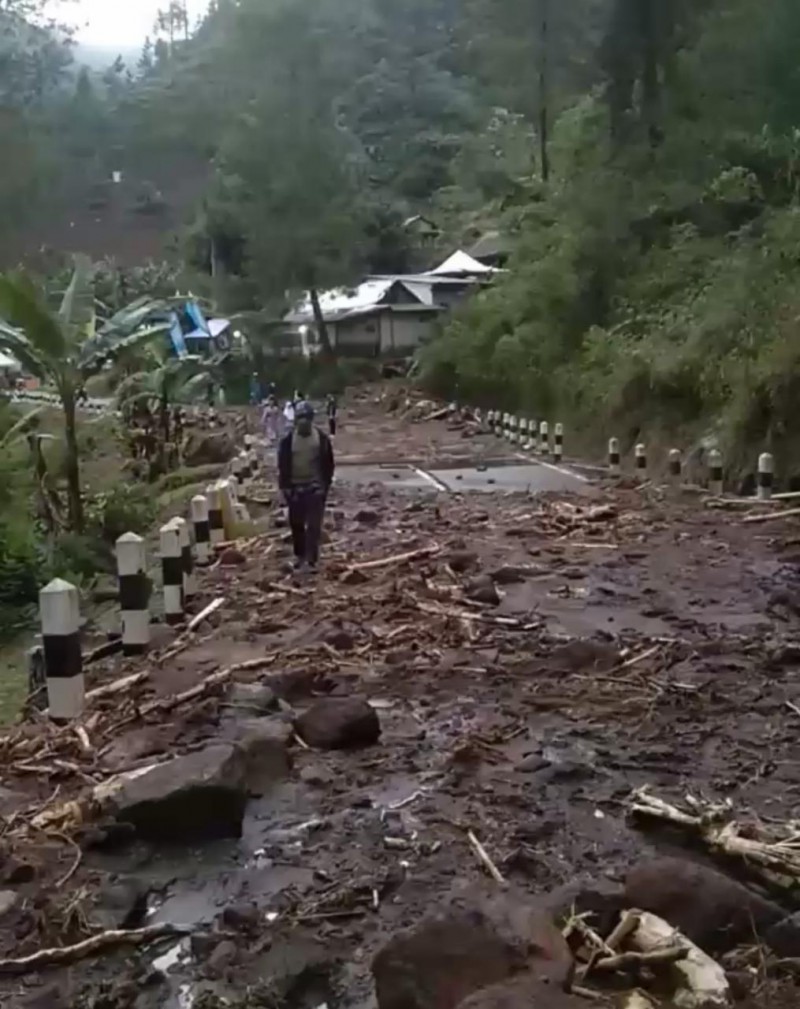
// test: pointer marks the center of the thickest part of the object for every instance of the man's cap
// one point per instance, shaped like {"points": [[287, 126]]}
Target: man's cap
{"points": [[304, 409]]}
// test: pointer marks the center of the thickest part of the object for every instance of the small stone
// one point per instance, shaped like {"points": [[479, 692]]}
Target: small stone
{"points": [[462, 561], [341, 640], [367, 517], [353, 577], [231, 558], [482, 590], [339, 723], [513, 574], [8, 898], [784, 937], [17, 872], [316, 776], [254, 697], [221, 957], [241, 917], [119, 904]]}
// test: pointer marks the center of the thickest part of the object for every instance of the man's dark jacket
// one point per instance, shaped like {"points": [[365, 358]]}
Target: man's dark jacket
{"points": [[326, 465]]}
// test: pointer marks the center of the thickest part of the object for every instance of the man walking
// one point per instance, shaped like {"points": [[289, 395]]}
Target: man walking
{"points": [[305, 473]]}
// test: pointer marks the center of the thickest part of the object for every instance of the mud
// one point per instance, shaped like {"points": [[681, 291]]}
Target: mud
{"points": [[531, 731]]}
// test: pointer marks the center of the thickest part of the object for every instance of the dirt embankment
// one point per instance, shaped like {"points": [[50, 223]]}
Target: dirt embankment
{"points": [[456, 711]]}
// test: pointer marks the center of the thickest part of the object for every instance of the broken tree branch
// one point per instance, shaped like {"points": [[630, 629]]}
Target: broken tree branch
{"points": [[483, 855], [385, 562]]}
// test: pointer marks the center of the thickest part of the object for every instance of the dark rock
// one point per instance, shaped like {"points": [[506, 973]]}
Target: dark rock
{"points": [[784, 937], [231, 558], [712, 910], [532, 762], [353, 577], [316, 776], [367, 517], [242, 917], [253, 697], [482, 590], [221, 958], [119, 904], [339, 723], [341, 640], [586, 654], [8, 898], [201, 944], [599, 897], [17, 872], [526, 991], [264, 746], [462, 561], [513, 574], [200, 795], [475, 943]]}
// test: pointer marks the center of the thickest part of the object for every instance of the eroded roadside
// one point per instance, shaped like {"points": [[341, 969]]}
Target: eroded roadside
{"points": [[533, 662]]}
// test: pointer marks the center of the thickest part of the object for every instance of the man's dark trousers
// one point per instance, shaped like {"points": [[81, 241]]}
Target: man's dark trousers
{"points": [[306, 508]]}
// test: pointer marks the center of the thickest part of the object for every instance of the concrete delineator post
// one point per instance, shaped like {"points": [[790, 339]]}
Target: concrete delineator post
{"points": [[202, 529], [674, 466], [766, 476], [715, 474], [558, 443], [172, 572], [216, 523], [523, 433], [59, 609], [189, 579], [134, 594], [613, 456], [544, 438], [641, 461]]}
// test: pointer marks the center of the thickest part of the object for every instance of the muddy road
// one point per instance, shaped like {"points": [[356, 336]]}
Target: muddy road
{"points": [[536, 644]]}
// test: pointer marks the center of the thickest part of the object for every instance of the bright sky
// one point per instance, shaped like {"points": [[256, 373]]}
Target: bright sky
{"points": [[124, 23]]}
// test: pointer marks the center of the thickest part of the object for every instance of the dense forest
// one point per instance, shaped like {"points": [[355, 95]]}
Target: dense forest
{"points": [[640, 156]]}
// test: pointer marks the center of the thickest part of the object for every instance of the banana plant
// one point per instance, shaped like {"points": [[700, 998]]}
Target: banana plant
{"points": [[64, 347]]}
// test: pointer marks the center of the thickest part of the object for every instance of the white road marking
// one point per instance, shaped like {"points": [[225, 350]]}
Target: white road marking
{"points": [[550, 465], [438, 484]]}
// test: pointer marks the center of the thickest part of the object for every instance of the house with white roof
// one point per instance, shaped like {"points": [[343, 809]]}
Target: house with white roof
{"points": [[390, 315]]}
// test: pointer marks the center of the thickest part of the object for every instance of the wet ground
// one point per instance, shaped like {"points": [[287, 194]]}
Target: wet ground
{"points": [[636, 639]]}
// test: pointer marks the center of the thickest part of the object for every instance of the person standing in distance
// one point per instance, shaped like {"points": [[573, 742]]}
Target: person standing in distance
{"points": [[305, 474], [331, 408]]}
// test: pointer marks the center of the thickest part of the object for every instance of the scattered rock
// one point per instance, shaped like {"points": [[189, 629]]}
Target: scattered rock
{"points": [[367, 517], [8, 898], [339, 723], [715, 912], [784, 937], [264, 746], [341, 640], [526, 992], [231, 558], [221, 957], [475, 943], [16, 872], [513, 574], [353, 577], [196, 796], [119, 904], [462, 561], [255, 697], [482, 590], [241, 917], [317, 776], [585, 654]]}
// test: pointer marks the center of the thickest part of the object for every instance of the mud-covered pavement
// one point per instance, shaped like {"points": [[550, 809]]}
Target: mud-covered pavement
{"points": [[538, 659]]}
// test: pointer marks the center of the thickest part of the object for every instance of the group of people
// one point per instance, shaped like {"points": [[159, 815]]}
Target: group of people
{"points": [[276, 421]]}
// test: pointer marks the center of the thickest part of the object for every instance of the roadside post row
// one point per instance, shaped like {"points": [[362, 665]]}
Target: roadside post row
{"points": [[535, 437], [216, 516]]}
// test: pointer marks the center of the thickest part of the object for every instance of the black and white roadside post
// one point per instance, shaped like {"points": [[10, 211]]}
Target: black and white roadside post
{"points": [[172, 572], [766, 476], [59, 609], [613, 456], [246, 475], [533, 435], [134, 594], [506, 431], [216, 521], [674, 465], [544, 438], [490, 421], [514, 439], [558, 443], [237, 472], [198, 509], [640, 452], [715, 476], [189, 578], [523, 433], [252, 457]]}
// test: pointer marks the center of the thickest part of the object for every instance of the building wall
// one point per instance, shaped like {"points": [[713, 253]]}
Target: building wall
{"points": [[360, 336], [405, 331]]}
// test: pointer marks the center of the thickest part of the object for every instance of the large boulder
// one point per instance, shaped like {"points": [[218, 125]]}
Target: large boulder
{"points": [[205, 448], [197, 796], [339, 723], [472, 944], [526, 992], [715, 912]]}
